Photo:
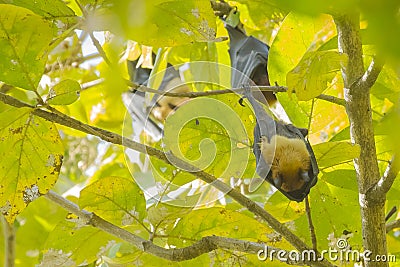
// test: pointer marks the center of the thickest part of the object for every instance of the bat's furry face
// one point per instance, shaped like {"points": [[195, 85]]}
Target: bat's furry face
{"points": [[166, 104], [289, 160]]}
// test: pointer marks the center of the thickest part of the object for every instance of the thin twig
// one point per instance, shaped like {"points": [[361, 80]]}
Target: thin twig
{"points": [[310, 224], [91, 84], [275, 89], [390, 213], [9, 242], [100, 49], [387, 180], [392, 225], [372, 73]]}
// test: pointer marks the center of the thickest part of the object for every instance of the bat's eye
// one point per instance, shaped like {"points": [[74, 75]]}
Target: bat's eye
{"points": [[304, 176], [278, 181], [171, 106]]}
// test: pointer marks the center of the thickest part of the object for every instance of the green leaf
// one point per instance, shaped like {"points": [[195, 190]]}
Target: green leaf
{"points": [[64, 93], [345, 179], [329, 154], [387, 85], [342, 135], [162, 23], [115, 199], [213, 135], [39, 219], [221, 222], [334, 210], [71, 245], [24, 38], [298, 112], [49, 9], [283, 209], [31, 155], [311, 75], [297, 35], [164, 216], [263, 13]]}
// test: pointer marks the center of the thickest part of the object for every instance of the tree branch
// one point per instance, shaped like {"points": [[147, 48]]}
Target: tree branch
{"points": [[372, 73], [392, 225], [358, 108], [204, 245], [386, 181], [171, 159]]}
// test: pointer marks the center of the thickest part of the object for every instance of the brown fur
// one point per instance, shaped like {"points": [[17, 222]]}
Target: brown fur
{"points": [[288, 157], [167, 104]]}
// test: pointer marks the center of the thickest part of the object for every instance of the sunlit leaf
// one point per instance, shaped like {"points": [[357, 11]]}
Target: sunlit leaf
{"points": [[49, 9], [297, 35], [31, 154], [115, 199], [164, 216], [72, 245], [333, 153], [39, 219], [310, 77], [334, 210], [212, 134], [159, 23], [345, 179], [342, 135], [387, 85], [389, 126], [221, 222], [283, 209], [312, 7], [24, 38], [64, 93], [263, 13]]}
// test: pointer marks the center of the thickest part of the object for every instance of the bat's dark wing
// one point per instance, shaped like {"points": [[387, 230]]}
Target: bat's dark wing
{"points": [[249, 56]]}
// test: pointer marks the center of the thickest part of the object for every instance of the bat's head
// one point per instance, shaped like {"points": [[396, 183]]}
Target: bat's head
{"points": [[289, 160], [166, 105]]}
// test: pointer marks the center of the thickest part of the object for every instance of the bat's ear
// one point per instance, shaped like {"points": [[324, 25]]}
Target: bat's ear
{"points": [[303, 131]]}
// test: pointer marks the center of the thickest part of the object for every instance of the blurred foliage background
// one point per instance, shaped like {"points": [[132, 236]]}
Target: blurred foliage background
{"points": [[47, 50]]}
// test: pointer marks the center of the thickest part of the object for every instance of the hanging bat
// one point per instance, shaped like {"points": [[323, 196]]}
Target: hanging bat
{"points": [[284, 157]]}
